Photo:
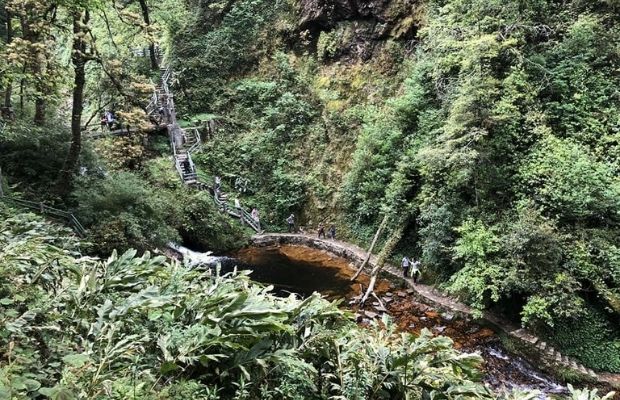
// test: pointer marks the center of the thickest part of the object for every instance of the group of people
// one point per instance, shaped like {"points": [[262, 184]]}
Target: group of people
{"points": [[411, 268], [109, 120], [331, 231]]}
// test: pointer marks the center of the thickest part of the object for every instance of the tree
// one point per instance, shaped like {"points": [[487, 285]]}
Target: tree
{"points": [[82, 53], [147, 21]]}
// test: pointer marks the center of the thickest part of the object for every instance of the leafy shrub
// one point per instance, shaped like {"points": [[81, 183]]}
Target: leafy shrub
{"points": [[564, 178], [590, 338], [122, 211]]}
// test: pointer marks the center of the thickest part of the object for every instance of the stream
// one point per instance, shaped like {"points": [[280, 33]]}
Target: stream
{"points": [[302, 270]]}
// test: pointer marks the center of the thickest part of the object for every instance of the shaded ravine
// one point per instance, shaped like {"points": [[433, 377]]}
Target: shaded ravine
{"points": [[303, 270]]}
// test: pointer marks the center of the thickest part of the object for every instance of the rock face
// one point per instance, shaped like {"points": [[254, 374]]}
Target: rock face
{"points": [[357, 26], [327, 13]]}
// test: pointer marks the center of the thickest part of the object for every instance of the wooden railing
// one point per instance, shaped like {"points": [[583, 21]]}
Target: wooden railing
{"points": [[47, 210]]}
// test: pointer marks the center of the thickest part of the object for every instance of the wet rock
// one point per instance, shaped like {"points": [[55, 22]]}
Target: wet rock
{"points": [[387, 300], [371, 315], [410, 291], [389, 294], [448, 316], [439, 329], [401, 294]]}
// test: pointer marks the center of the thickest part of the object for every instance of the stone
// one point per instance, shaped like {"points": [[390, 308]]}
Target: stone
{"points": [[410, 291], [371, 315], [439, 329], [401, 294], [448, 316], [387, 300], [389, 294]]}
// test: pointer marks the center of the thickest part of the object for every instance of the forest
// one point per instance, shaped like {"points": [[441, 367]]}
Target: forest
{"points": [[480, 137]]}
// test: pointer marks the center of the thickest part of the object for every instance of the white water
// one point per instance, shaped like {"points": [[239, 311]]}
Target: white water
{"points": [[194, 258]]}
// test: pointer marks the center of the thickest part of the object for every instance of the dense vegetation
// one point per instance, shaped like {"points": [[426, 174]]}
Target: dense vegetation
{"points": [[485, 133], [142, 328]]}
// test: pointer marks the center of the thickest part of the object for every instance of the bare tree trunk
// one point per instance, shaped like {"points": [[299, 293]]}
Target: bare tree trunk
{"points": [[79, 60], [9, 38], [147, 20], [386, 252], [372, 246], [39, 111]]}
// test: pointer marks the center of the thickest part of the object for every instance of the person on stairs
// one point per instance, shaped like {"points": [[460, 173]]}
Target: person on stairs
{"points": [[218, 183], [405, 266], [238, 209], [291, 223], [321, 230]]}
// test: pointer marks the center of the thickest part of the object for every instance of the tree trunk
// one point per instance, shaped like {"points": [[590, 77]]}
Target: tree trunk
{"points": [[9, 38], [372, 246], [37, 67], [39, 111], [386, 252], [79, 59], [147, 20]]}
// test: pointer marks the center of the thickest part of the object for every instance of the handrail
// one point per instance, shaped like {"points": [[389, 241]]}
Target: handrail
{"points": [[45, 209], [192, 176]]}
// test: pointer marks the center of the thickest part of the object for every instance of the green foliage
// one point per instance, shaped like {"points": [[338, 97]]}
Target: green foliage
{"points": [[568, 181], [32, 155], [479, 278], [591, 338], [227, 39], [122, 211], [202, 224], [129, 327]]}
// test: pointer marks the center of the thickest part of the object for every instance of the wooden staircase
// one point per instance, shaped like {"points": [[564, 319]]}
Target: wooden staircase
{"points": [[184, 143]]}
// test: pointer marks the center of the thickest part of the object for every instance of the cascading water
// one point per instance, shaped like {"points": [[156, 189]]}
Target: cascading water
{"points": [[195, 258]]}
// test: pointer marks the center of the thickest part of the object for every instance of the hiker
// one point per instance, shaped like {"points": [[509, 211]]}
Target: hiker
{"points": [[238, 208], [218, 183], [187, 166], [405, 265], [109, 119], [291, 223], [255, 217], [321, 230], [103, 122], [332, 231], [161, 115], [415, 271]]}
